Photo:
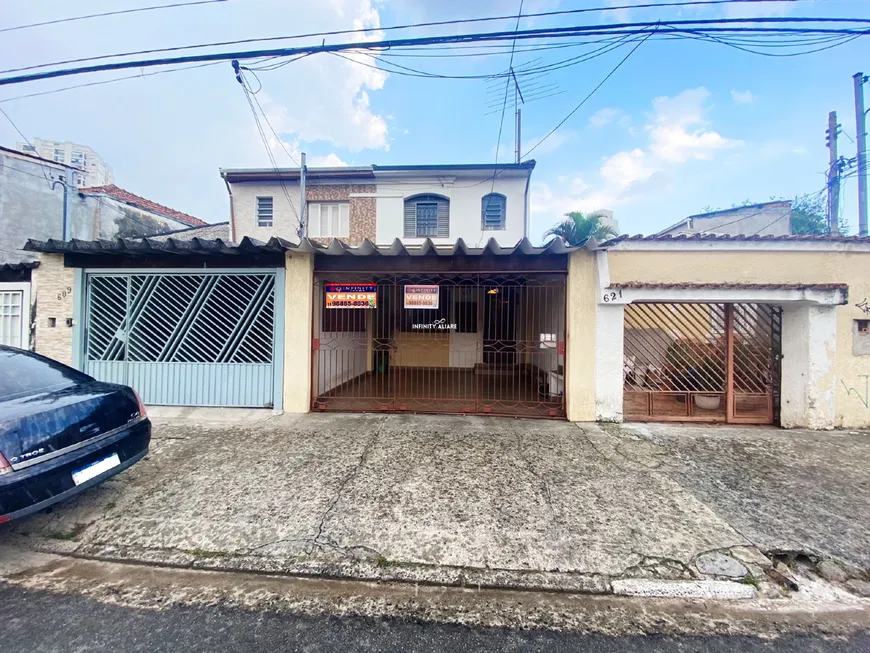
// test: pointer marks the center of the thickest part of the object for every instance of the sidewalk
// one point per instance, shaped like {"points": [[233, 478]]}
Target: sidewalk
{"points": [[476, 501]]}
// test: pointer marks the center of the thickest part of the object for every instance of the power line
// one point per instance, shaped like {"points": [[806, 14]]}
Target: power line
{"points": [[26, 140], [248, 96], [96, 197], [553, 32], [275, 133], [649, 5], [591, 93], [108, 81], [507, 85], [109, 13]]}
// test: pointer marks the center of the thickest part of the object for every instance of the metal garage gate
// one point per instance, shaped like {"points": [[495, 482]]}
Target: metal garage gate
{"points": [[184, 338], [702, 362], [466, 343]]}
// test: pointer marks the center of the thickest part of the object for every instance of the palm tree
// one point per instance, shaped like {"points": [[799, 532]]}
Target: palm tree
{"points": [[577, 228]]}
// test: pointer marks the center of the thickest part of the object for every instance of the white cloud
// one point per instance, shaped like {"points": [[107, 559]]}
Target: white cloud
{"points": [[331, 160], [626, 168], [337, 106], [605, 116], [743, 97], [679, 131]]}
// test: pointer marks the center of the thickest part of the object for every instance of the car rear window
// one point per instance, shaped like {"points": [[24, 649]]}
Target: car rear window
{"points": [[23, 374]]}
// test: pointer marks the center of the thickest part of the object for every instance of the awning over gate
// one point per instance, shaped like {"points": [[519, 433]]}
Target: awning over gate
{"points": [[825, 294], [144, 247]]}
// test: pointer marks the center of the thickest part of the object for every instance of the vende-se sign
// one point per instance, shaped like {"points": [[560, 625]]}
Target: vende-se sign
{"points": [[421, 296], [351, 295]]}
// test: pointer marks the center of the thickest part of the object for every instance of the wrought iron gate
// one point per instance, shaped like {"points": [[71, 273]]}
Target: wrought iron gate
{"points": [[702, 362], [495, 344], [184, 338]]}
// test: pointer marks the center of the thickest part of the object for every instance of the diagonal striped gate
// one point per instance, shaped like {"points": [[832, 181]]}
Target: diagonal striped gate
{"points": [[184, 338]]}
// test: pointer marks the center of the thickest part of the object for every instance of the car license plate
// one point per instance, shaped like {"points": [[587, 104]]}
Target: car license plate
{"points": [[95, 469]]}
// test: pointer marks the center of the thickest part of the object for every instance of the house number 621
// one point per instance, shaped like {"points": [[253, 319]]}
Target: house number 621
{"points": [[612, 296]]}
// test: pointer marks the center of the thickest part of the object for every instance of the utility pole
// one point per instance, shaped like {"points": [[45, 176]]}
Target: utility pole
{"points": [[518, 98], [833, 174], [861, 136], [65, 183], [303, 223]]}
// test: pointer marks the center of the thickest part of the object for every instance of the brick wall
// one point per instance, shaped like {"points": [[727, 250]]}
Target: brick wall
{"points": [[363, 210], [53, 288]]}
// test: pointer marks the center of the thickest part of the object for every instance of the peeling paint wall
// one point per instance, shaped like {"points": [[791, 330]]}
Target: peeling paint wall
{"points": [[849, 378]]}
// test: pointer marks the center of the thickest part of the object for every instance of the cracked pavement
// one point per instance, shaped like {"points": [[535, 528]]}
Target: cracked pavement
{"points": [[465, 500]]}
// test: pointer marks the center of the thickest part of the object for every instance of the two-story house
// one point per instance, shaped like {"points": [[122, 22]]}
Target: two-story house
{"points": [[445, 203]]}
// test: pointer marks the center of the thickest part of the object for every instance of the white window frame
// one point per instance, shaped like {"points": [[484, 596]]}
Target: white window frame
{"points": [[261, 220], [329, 219], [24, 288]]}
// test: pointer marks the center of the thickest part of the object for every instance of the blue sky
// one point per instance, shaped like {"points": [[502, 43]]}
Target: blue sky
{"points": [[681, 126]]}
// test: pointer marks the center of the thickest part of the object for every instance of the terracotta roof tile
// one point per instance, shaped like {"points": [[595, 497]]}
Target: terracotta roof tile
{"points": [[135, 200], [737, 237]]}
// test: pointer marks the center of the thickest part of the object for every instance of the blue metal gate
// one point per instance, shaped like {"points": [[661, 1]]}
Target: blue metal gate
{"points": [[197, 338]]}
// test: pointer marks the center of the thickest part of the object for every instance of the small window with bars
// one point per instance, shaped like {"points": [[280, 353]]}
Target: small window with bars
{"points": [[265, 211], [493, 210]]}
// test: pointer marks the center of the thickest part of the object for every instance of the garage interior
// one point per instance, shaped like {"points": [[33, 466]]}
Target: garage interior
{"points": [[702, 362], [495, 344]]}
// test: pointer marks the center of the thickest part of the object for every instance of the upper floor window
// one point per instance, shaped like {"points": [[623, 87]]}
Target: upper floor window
{"points": [[493, 208], [427, 216], [329, 219], [264, 211]]}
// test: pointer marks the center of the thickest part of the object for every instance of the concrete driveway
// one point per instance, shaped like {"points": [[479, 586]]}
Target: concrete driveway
{"points": [[473, 500]]}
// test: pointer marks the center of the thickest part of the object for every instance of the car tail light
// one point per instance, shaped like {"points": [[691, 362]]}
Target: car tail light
{"points": [[5, 467], [142, 412]]}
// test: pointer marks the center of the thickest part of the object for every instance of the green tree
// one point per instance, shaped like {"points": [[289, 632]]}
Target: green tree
{"points": [[577, 228], [809, 216]]}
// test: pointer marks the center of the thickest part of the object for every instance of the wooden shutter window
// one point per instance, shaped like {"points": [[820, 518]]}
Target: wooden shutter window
{"points": [[442, 225], [492, 212]]}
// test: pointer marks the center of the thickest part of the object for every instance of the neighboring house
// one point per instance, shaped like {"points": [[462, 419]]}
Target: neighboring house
{"points": [[766, 219], [95, 171], [216, 231], [34, 197], [474, 202], [118, 213], [33, 193]]}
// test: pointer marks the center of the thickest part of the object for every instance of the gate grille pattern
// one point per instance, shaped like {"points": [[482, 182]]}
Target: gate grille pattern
{"points": [[501, 353], [181, 318], [188, 339], [702, 362]]}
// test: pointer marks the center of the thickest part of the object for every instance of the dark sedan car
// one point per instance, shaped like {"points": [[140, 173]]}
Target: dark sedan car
{"points": [[61, 432]]}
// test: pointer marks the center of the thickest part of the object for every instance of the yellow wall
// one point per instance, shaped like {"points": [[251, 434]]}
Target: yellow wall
{"points": [[421, 349], [852, 268], [298, 307], [580, 337]]}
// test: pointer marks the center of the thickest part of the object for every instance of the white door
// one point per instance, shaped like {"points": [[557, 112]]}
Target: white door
{"points": [[14, 311]]}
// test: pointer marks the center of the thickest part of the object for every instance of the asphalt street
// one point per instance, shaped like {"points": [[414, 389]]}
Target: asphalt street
{"points": [[47, 622]]}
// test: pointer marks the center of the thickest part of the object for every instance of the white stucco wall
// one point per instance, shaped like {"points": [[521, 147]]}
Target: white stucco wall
{"points": [[809, 347], [465, 195], [285, 214]]}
